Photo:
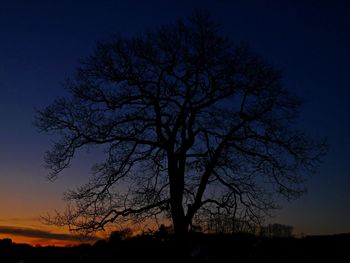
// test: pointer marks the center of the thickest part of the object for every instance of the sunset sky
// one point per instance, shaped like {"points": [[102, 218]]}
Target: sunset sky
{"points": [[42, 42]]}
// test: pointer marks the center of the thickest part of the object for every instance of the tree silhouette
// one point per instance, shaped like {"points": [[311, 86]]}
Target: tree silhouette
{"points": [[276, 230], [190, 123]]}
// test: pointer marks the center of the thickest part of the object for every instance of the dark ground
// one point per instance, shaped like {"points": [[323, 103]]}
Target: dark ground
{"points": [[197, 248]]}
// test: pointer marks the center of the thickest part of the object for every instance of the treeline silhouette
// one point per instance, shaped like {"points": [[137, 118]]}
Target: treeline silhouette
{"points": [[161, 247]]}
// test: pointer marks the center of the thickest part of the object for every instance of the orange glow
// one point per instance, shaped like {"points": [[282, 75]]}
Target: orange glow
{"points": [[41, 236], [39, 241]]}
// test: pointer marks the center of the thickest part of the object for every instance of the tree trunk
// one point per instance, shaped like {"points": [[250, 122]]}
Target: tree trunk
{"points": [[177, 211], [178, 216], [176, 181]]}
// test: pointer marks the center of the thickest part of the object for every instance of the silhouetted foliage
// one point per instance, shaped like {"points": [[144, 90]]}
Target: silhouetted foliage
{"points": [[6, 242], [120, 235], [190, 122]]}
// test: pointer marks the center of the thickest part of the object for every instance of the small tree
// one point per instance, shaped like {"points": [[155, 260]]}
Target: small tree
{"points": [[189, 123]]}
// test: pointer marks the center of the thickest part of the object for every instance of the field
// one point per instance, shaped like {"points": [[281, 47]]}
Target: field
{"points": [[197, 248]]}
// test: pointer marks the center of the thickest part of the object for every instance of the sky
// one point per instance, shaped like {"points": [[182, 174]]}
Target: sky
{"points": [[43, 41]]}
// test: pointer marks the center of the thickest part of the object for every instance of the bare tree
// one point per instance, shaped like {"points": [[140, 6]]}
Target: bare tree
{"points": [[189, 122], [276, 230]]}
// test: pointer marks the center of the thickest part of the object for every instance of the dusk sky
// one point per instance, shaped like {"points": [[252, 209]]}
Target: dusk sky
{"points": [[43, 41]]}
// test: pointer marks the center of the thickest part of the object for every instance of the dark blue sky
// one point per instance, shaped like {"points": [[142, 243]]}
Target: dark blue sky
{"points": [[42, 42]]}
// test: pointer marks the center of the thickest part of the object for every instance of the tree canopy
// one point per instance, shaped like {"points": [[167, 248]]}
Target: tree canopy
{"points": [[191, 124]]}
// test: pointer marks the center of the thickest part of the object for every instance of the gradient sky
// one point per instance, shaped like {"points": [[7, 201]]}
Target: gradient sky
{"points": [[42, 42]]}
